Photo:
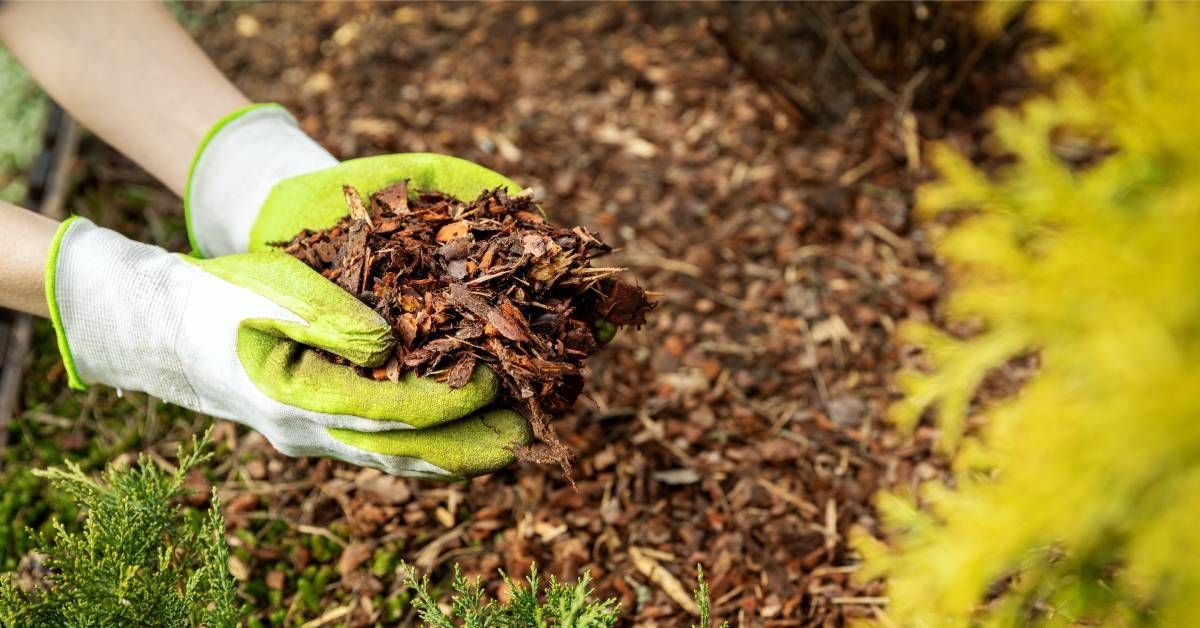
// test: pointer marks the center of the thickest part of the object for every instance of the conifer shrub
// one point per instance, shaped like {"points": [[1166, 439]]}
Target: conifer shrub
{"points": [[140, 558], [1076, 500]]}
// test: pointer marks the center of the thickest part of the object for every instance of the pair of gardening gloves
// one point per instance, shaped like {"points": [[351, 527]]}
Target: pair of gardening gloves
{"points": [[230, 330]]}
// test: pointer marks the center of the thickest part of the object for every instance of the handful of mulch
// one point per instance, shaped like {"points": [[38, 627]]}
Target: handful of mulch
{"points": [[486, 281]]}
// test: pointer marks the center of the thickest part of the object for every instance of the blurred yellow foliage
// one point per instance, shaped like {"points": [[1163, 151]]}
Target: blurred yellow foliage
{"points": [[1077, 499]]}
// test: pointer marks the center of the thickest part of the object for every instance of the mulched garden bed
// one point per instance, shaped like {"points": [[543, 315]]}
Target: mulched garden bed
{"points": [[753, 164]]}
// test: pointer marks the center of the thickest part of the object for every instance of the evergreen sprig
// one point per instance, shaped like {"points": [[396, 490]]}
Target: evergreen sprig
{"points": [[703, 601]]}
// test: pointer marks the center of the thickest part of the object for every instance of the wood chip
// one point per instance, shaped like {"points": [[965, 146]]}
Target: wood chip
{"points": [[354, 203], [669, 584], [355, 555]]}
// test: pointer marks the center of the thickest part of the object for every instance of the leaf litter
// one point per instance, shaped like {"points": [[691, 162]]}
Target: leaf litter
{"points": [[486, 282]]}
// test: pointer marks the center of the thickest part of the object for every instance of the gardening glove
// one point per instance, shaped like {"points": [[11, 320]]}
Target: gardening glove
{"points": [[258, 179], [232, 337]]}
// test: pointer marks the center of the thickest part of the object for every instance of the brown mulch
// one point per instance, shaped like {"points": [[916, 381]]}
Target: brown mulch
{"points": [[479, 282], [753, 164]]}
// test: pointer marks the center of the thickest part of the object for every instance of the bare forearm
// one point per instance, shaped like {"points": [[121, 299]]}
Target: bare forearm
{"points": [[128, 72], [25, 238]]}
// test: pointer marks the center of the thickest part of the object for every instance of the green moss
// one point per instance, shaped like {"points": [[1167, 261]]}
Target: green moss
{"points": [[23, 114], [385, 560], [323, 550]]}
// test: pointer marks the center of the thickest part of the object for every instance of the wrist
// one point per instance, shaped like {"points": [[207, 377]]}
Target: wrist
{"points": [[238, 163], [25, 238]]}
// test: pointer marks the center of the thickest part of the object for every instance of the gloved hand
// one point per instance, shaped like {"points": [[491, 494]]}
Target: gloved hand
{"points": [[258, 179], [232, 337]]}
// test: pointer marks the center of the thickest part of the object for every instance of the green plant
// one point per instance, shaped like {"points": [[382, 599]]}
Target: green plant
{"points": [[558, 605], [24, 503], [703, 602], [1076, 500], [140, 558]]}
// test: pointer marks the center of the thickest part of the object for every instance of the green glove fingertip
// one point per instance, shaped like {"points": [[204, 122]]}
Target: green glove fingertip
{"points": [[294, 374], [466, 448], [605, 331]]}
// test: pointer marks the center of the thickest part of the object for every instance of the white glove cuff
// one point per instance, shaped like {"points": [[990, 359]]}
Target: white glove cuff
{"points": [[117, 306], [243, 157]]}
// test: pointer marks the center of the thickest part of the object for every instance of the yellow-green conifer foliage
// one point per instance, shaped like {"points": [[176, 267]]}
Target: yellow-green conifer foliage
{"points": [[1079, 499]]}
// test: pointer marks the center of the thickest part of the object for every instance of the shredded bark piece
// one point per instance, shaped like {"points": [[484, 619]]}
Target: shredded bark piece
{"points": [[354, 201], [487, 281]]}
